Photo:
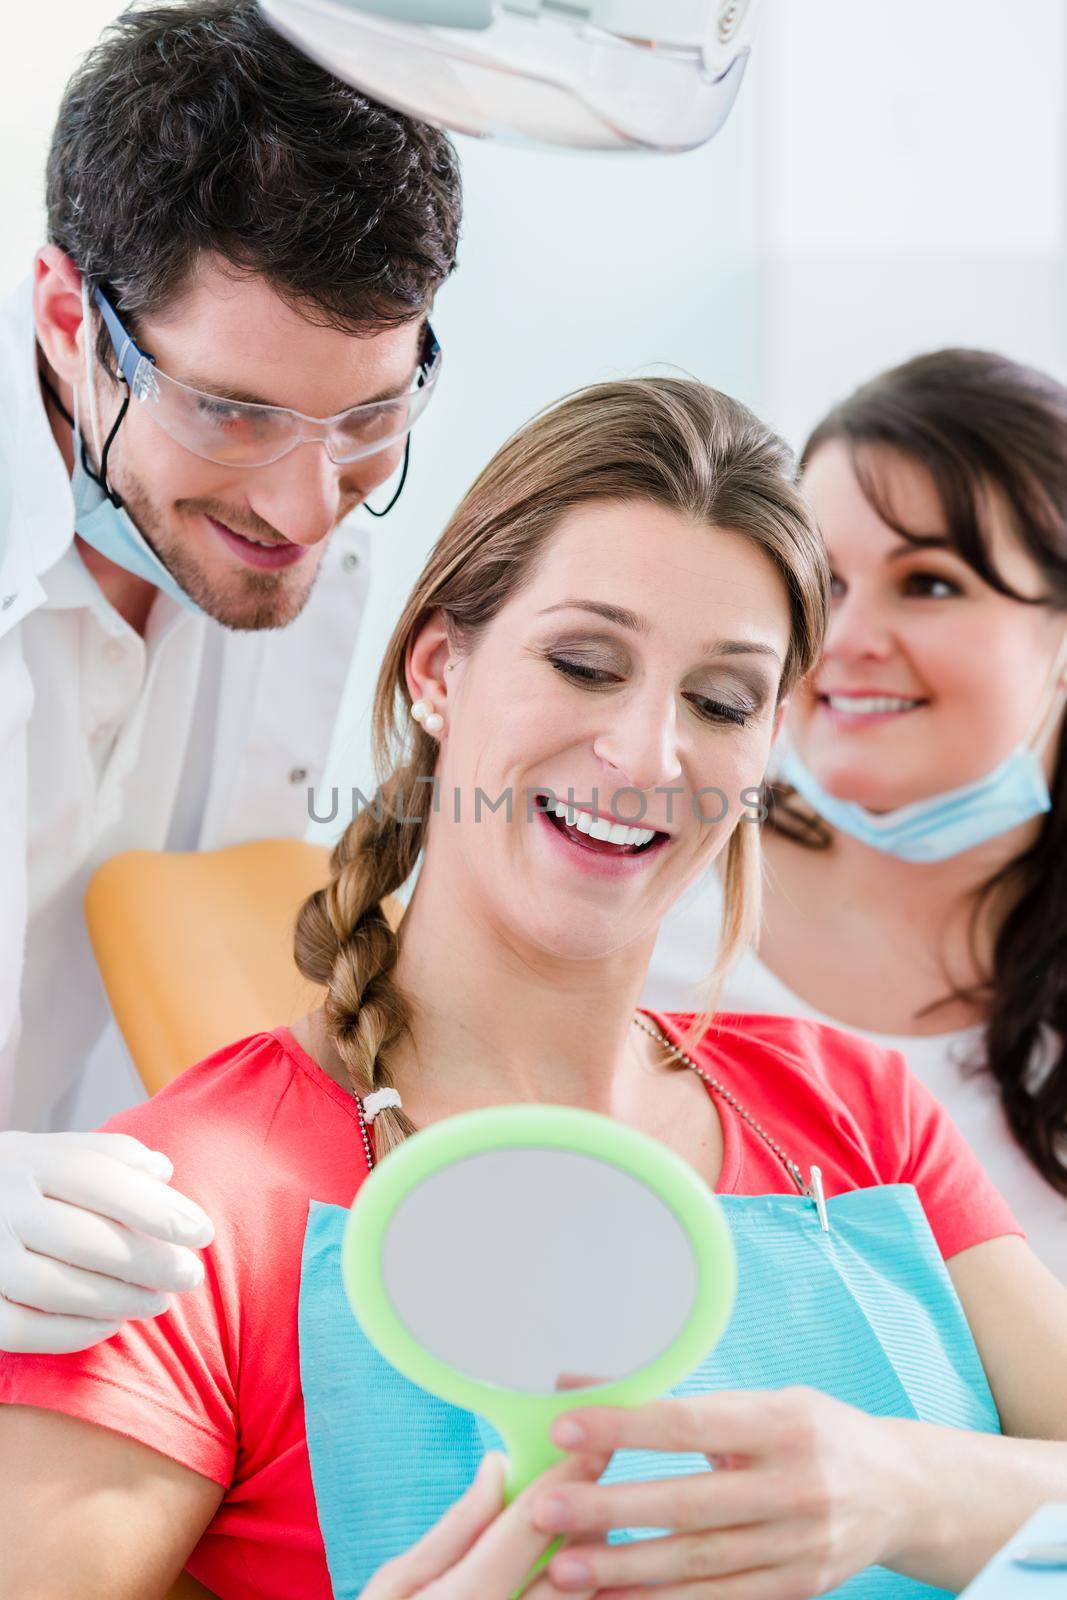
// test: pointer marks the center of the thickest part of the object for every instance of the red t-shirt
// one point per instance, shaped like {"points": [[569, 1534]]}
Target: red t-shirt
{"points": [[258, 1130]]}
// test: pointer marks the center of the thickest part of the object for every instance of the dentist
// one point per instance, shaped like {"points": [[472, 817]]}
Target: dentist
{"points": [[242, 256]]}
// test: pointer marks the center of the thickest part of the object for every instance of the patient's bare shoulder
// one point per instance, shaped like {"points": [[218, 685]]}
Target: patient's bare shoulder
{"points": [[87, 1511]]}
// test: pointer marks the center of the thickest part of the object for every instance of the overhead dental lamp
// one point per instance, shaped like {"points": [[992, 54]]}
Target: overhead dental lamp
{"points": [[589, 74]]}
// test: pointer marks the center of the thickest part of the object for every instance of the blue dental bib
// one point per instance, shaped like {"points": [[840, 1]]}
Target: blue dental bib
{"points": [[866, 1313]]}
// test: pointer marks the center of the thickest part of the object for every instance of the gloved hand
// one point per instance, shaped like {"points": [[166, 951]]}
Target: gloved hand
{"points": [[90, 1237]]}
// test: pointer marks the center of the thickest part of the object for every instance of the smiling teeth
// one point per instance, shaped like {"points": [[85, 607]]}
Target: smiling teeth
{"points": [[264, 544], [867, 704], [600, 828]]}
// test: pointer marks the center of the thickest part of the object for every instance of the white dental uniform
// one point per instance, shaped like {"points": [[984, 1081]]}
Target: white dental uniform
{"points": [[682, 960], [191, 737]]}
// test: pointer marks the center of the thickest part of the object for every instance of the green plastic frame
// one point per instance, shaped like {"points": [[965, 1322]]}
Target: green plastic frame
{"points": [[523, 1420]]}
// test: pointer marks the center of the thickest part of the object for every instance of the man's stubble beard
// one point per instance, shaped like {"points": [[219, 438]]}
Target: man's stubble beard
{"points": [[248, 602]]}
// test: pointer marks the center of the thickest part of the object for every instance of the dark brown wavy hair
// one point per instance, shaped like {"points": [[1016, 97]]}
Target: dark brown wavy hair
{"points": [[977, 422], [193, 128]]}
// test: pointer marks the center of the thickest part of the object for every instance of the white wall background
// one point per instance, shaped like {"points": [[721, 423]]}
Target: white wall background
{"points": [[913, 189], [891, 179]]}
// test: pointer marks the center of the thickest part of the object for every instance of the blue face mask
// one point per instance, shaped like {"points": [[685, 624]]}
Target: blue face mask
{"points": [[111, 530], [944, 825], [97, 518]]}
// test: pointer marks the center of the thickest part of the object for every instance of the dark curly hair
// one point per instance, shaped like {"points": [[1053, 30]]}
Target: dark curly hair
{"points": [[976, 421], [194, 128]]}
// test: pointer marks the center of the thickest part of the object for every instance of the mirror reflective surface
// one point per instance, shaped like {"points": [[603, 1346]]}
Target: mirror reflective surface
{"points": [[538, 1269]]}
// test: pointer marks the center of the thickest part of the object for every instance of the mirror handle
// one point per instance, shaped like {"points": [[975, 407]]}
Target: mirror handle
{"points": [[530, 1452]]}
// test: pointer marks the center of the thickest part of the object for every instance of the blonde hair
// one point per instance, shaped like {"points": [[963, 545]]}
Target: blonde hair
{"points": [[670, 441]]}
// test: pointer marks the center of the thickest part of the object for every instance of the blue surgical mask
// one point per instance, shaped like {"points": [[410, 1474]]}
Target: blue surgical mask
{"points": [[106, 526], [111, 530], [944, 825]]}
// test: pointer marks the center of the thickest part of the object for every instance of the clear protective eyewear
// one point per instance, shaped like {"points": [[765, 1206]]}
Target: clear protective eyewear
{"points": [[657, 75], [239, 433]]}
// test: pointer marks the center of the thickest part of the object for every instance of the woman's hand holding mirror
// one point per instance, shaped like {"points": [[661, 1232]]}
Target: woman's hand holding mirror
{"points": [[479, 1550], [811, 1491]]}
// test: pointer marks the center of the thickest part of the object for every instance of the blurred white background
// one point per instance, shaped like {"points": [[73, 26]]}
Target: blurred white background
{"points": [[891, 180]]}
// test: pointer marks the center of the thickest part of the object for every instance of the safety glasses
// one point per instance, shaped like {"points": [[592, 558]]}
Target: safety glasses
{"points": [[236, 433]]}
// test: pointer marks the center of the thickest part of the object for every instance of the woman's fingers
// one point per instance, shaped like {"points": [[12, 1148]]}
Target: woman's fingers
{"points": [[543, 1588], [497, 1565], [677, 1558], [438, 1551], [698, 1500], [804, 1509], [731, 1422], [478, 1550], [762, 1583]]}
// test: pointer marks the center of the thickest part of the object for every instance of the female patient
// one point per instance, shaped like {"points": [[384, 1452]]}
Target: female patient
{"points": [[940, 489], [608, 629]]}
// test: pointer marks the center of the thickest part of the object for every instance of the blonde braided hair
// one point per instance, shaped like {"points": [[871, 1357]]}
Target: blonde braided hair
{"points": [[346, 942]]}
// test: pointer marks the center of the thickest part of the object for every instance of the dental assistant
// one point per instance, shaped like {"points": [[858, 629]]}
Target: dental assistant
{"points": [[180, 581], [916, 889]]}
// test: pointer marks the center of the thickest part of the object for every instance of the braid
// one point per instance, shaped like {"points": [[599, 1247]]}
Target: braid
{"points": [[346, 942]]}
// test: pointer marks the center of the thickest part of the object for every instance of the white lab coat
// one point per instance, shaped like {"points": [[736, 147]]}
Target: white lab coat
{"points": [[110, 742]]}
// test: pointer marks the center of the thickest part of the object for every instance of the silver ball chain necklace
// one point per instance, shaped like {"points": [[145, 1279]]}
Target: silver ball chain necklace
{"points": [[813, 1190]]}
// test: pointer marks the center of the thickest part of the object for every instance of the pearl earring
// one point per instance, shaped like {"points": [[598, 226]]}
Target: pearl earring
{"points": [[431, 720]]}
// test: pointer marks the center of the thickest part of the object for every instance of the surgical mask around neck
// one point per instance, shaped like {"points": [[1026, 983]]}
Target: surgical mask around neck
{"points": [[99, 516], [945, 825]]}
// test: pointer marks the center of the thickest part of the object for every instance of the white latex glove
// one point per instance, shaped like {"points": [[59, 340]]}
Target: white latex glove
{"points": [[90, 1237]]}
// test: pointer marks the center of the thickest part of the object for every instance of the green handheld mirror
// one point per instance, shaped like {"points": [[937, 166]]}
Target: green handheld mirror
{"points": [[524, 1260]]}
